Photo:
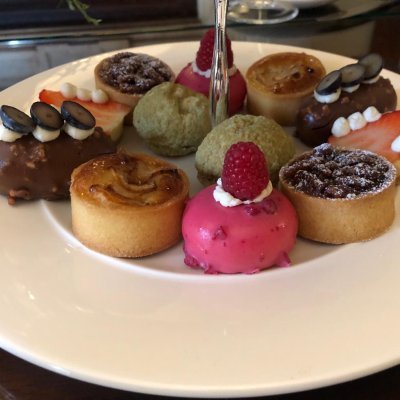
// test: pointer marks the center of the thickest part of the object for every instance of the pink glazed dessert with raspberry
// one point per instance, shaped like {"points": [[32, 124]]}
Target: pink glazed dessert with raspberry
{"points": [[245, 238], [196, 74]]}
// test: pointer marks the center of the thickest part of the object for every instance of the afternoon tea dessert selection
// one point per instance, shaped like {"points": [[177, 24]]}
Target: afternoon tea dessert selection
{"points": [[261, 192]]}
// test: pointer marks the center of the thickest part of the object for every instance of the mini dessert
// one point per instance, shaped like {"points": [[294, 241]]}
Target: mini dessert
{"points": [[128, 205], [172, 119], [272, 139], [126, 76], [370, 131], [38, 154], [278, 83], [340, 195], [109, 115], [341, 93], [242, 224], [197, 74]]}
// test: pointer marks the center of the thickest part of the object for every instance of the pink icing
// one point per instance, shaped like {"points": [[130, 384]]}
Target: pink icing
{"points": [[241, 239], [201, 84]]}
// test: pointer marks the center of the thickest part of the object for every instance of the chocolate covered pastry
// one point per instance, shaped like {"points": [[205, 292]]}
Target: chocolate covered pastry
{"points": [[315, 119], [341, 93], [37, 163], [31, 170]]}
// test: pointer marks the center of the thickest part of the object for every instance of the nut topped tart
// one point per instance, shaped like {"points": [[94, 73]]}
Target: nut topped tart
{"points": [[126, 76], [128, 205], [277, 83], [340, 195]]}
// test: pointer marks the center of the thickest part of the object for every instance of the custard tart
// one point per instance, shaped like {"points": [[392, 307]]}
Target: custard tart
{"points": [[277, 83], [128, 205]]}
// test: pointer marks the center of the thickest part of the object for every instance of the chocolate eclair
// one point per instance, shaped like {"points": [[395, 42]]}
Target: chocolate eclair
{"points": [[30, 169], [315, 119], [38, 154]]}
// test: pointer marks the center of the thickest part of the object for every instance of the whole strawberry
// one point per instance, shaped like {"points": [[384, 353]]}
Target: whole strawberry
{"points": [[245, 172], [204, 55]]}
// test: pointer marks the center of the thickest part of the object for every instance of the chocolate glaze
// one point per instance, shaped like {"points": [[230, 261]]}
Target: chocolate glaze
{"points": [[30, 169], [315, 120]]}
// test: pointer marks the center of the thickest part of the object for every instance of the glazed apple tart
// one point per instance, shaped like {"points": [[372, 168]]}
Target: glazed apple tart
{"points": [[128, 205]]}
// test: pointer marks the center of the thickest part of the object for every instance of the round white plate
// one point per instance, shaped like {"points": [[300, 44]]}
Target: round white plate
{"points": [[155, 326]]}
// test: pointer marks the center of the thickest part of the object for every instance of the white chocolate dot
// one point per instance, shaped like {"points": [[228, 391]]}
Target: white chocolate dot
{"points": [[350, 89], [341, 127], [327, 98], [99, 96], [395, 146], [84, 94], [356, 121], [371, 114], [68, 90]]}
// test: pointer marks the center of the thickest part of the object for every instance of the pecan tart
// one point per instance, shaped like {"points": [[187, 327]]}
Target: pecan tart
{"points": [[340, 195]]}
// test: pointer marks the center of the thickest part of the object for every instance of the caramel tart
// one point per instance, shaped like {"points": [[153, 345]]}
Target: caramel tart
{"points": [[277, 83], [128, 205]]}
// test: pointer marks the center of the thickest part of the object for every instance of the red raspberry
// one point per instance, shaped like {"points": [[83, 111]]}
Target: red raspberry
{"points": [[204, 55], [245, 172]]}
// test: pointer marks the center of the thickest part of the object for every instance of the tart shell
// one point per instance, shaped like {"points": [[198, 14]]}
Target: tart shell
{"points": [[343, 220], [110, 225], [118, 96], [277, 84]]}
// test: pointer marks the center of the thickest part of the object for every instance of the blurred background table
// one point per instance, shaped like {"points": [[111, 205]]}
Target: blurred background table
{"points": [[35, 35], [50, 37]]}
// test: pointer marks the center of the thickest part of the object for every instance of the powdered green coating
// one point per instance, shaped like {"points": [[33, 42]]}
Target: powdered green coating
{"points": [[172, 119], [277, 145]]}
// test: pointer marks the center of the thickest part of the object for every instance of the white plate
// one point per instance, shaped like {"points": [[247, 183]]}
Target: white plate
{"points": [[156, 326]]}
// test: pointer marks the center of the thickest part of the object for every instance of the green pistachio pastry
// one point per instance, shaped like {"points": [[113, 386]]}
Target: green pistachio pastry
{"points": [[276, 144], [172, 119]]}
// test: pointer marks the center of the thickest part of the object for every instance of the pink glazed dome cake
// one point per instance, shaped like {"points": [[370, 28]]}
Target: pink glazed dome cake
{"points": [[241, 224], [196, 75]]}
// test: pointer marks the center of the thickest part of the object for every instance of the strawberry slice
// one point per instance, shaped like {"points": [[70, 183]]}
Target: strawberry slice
{"points": [[375, 136], [109, 116]]}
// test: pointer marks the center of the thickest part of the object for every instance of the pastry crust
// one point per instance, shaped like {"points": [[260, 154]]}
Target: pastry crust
{"points": [[343, 220], [130, 99], [277, 84], [128, 205]]}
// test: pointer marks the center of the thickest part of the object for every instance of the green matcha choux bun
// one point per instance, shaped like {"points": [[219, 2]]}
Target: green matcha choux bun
{"points": [[172, 119], [273, 140]]}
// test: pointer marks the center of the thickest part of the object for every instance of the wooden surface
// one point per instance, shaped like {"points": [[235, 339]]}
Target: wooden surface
{"points": [[20, 380]]}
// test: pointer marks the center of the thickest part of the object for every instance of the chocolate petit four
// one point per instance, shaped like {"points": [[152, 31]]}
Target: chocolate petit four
{"points": [[341, 93], [38, 154]]}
